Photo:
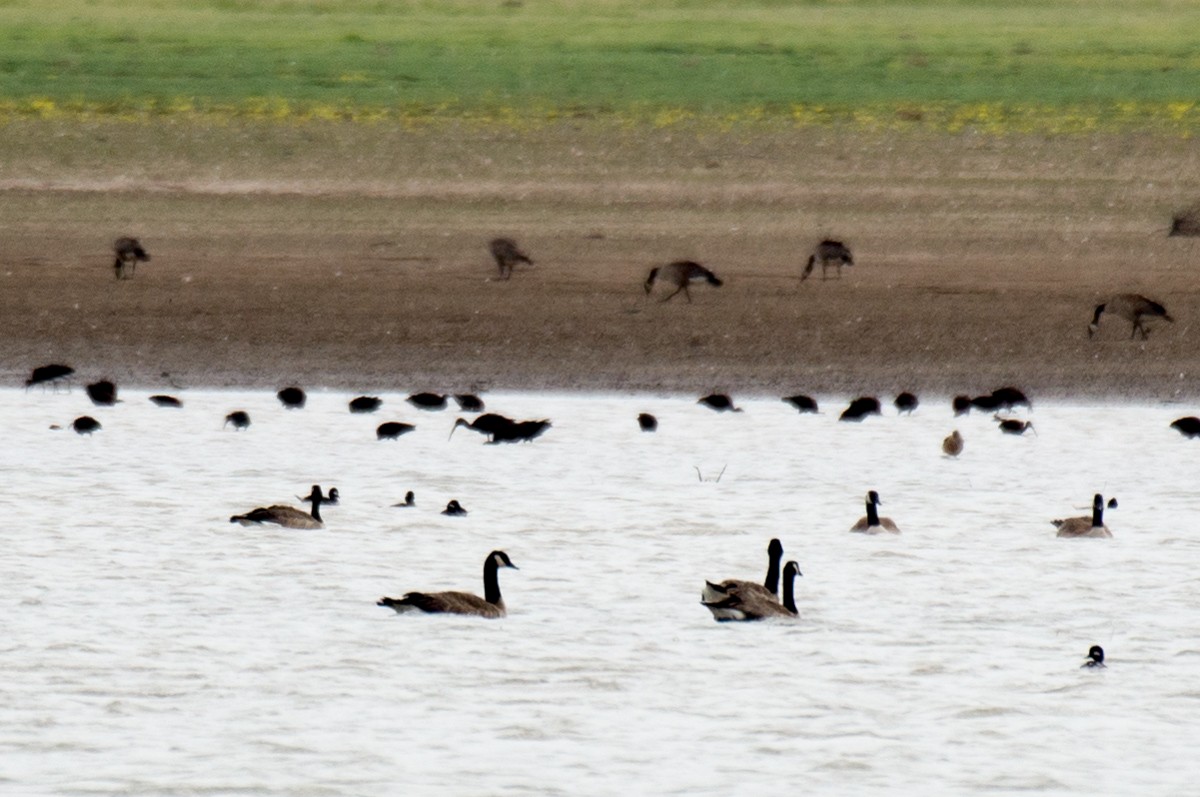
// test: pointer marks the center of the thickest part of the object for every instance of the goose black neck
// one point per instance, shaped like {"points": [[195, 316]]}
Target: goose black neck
{"points": [[789, 593], [872, 513], [316, 503], [772, 580], [491, 581], [1098, 513]]}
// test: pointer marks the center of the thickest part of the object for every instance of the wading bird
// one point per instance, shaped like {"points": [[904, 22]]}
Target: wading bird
{"points": [[85, 424], [905, 403], [292, 398], [1188, 427], [51, 374], [365, 404], [161, 400], [102, 393], [721, 402], [392, 430], [801, 402], [239, 418], [860, 408], [427, 401]]}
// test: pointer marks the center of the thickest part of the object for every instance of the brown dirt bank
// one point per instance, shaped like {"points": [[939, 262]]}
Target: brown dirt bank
{"points": [[354, 256]]}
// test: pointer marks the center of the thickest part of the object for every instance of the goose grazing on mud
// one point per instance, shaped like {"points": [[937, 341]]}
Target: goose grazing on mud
{"points": [[748, 607], [828, 253], [288, 516], [392, 430], [128, 252], [952, 446], [1085, 526], [51, 374], [365, 403], [490, 605], [802, 403], [647, 422], [1188, 427], [239, 418], [507, 254], [769, 588], [872, 523], [292, 398], [679, 274], [1095, 657], [1134, 308], [860, 408]]}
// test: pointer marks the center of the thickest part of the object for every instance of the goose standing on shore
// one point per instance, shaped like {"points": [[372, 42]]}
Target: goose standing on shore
{"points": [[1085, 526], [679, 274], [1134, 308], [750, 606], [872, 523], [490, 605], [289, 516]]}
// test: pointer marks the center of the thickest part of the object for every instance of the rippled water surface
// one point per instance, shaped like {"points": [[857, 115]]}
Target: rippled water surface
{"points": [[151, 647]]}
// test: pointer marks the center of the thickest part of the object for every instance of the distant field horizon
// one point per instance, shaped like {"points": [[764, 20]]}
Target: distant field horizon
{"points": [[1057, 66]]}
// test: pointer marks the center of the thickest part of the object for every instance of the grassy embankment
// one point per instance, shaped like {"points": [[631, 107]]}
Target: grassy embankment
{"points": [[1054, 66]]}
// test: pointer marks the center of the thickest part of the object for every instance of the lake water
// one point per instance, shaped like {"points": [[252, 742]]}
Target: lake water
{"points": [[150, 647]]}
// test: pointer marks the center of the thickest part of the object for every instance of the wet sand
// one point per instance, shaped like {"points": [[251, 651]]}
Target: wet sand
{"points": [[362, 264]]}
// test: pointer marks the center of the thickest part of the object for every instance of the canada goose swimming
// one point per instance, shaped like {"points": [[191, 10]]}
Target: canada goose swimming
{"points": [[1188, 427], [409, 500], [741, 606], [1095, 657], [392, 430], [679, 274], [769, 588], [239, 418], [961, 405], [469, 402], [647, 422], [801, 402], [872, 523], [51, 374], [102, 393], [490, 605], [427, 401], [165, 401], [1134, 308], [828, 253], [507, 255], [1085, 526], [952, 446], [1014, 426], [288, 516], [860, 408], [454, 509], [365, 403], [128, 252], [719, 402], [906, 402], [85, 424], [293, 398]]}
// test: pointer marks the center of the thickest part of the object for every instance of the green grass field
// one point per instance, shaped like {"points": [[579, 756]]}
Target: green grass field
{"points": [[1045, 65]]}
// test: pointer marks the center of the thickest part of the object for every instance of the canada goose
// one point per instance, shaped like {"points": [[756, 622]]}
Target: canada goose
{"points": [[85, 424], [647, 422], [1134, 308], [287, 516], [961, 405], [1095, 657], [507, 255], [952, 446], [1085, 526], [427, 401], [872, 523], [1188, 427], [828, 253], [128, 252], [719, 402], [293, 398], [860, 408], [454, 509], [1014, 426], [102, 393], [769, 588], [365, 404], [490, 605], [750, 606], [239, 418], [392, 430], [802, 402], [469, 402], [166, 401], [906, 402], [51, 374], [409, 500], [679, 274]]}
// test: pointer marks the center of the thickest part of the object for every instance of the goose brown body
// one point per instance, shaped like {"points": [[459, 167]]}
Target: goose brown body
{"points": [[754, 605], [680, 274], [289, 516], [872, 523], [491, 605], [1087, 525], [1134, 308], [768, 588]]}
